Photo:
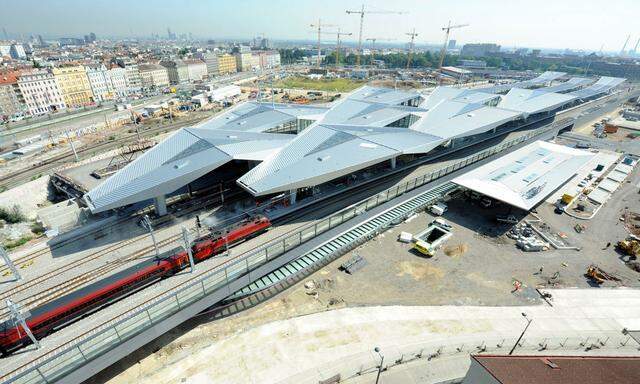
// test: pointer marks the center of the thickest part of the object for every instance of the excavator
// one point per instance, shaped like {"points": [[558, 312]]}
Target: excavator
{"points": [[599, 276], [630, 247]]}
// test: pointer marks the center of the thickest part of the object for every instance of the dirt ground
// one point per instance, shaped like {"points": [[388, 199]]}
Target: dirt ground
{"points": [[477, 266]]}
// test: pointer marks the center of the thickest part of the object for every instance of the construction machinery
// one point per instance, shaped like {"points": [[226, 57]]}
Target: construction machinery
{"points": [[373, 44], [443, 51], [338, 42], [362, 12], [624, 47], [431, 239], [319, 26], [630, 247], [413, 35], [599, 276]]}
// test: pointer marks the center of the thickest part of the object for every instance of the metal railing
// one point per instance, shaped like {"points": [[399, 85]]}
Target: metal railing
{"points": [[57, 363], [442, 350]]}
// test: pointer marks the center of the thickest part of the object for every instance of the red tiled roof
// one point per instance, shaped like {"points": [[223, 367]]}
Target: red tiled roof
{"points": [[561, 369], [9, 77]]}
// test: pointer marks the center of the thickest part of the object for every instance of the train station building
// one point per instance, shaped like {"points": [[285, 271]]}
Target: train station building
{"points": [[273, 149]]}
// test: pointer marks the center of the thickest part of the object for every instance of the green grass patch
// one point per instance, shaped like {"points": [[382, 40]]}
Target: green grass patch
{"points": [[16, 243], [332, 85], [12, 215]]}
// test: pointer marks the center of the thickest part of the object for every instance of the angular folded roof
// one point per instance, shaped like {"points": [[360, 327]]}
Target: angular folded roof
{"points": [[542, 79], [366, 127]]}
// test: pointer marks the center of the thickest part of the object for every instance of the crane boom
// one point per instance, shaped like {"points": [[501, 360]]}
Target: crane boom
{"points": [[625, 45], [362, 12], [443, 51], [320, 26], [413, 35]]}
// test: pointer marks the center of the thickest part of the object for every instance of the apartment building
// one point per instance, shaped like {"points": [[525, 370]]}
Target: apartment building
{"points": [[211, 61], [118, 77], [74, 85], [176, 70], [153, 76], [41, 92], [100, 82], [11, 100], [243, 61], [196, 69], [226, 64]]}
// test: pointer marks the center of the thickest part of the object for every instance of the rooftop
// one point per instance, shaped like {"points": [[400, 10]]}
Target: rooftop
{"points": [[561, 369], [524, 178], [370, 124]]}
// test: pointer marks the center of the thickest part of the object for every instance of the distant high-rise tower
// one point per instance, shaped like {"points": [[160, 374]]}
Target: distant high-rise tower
{"points": [[5, 34], [452, 44], [169, 35]]}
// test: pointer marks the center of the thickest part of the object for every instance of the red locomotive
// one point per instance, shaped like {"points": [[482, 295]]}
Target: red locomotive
{"points": [[60, 312]]}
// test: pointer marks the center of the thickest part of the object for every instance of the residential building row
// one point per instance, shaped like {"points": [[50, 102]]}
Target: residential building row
{"points": [[38, 91]]}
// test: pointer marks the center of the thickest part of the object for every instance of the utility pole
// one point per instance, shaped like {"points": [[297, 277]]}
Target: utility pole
{"points": [[187, 247], [73, 148], [362, 12], [443, 51], [9, 263], [413, 35], [319, 26], [135, 123], [146, 223], [19, 318]]}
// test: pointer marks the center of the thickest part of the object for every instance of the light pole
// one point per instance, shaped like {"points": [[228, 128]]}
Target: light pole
{"points": [[522, 334], [377, 350]]}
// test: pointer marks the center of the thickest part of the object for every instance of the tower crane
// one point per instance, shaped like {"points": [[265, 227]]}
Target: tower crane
{"points": [[374, 39], [362, 12], [413, 35], [625, 45], [635, 48], [443, 51], [320, 26], [373, 44], [338, 34]]}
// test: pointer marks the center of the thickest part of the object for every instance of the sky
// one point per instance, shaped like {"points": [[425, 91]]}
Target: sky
{"points": [[575, 24]]}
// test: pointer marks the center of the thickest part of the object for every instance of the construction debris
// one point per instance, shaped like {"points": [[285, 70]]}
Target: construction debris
{"points": [[579, 228], [353, 264], [599, 276], [526, 239]]}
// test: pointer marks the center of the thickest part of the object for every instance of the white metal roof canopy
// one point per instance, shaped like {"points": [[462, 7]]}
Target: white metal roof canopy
{"points": [[525, 177]]}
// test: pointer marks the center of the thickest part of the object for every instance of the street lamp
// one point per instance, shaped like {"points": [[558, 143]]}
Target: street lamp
{"points": [[522, 334], [377, 350]]}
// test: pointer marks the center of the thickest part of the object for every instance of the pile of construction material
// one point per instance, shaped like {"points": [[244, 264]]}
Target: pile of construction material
{"points": [[526, 238]]}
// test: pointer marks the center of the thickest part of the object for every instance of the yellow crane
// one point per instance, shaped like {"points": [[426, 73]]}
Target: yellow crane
{"points": [[413, 35], [443, 51], [319, 26], [338, 34], [362, 12]]}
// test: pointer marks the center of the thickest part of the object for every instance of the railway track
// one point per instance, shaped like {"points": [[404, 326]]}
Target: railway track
{"points": [[87, 277], [82, 279], [18, 177]]}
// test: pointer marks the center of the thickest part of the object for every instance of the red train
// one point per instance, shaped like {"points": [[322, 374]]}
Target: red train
{"points": [[60, 312]]}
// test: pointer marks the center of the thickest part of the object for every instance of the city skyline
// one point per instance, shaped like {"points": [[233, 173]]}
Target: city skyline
{"points": [[570, 24]]}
